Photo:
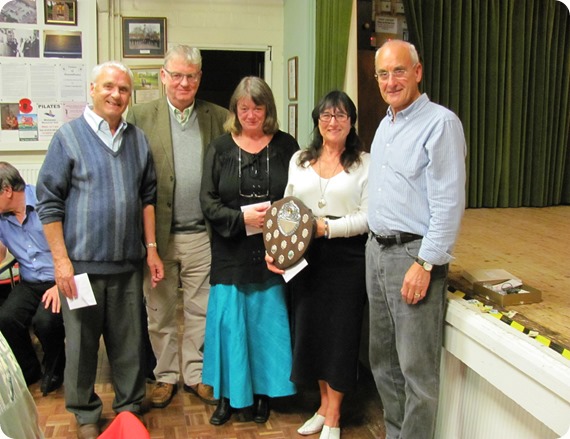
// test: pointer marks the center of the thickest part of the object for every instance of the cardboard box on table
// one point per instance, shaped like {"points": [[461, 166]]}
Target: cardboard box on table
{"points": [[480, 278]]}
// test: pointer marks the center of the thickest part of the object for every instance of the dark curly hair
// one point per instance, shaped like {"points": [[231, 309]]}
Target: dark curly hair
{"points": [[353, 147]]}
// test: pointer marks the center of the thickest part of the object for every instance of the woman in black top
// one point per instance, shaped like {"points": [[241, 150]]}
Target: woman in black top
{"points": [[247, 355]]}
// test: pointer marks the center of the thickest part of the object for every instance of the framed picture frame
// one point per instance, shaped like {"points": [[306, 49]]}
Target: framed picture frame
{"points": [[144, 37], [60, 12], [292, 69], [147, 85], [292, 120]]}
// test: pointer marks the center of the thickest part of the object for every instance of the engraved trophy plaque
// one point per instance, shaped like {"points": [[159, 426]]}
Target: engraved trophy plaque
{"points": [[288, 231]]}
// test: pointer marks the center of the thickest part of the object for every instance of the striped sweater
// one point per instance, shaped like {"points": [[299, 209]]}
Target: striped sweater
{"points": [[98, 195]]}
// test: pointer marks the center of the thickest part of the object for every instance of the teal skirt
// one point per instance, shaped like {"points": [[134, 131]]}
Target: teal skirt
{"points": [[247, 348]]}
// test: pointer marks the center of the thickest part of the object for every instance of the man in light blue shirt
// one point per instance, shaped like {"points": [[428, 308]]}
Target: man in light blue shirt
{"points": [[416, 202], [35, 300]]}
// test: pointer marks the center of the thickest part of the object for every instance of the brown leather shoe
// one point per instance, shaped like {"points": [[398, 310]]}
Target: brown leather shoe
{"points": [[202, 391], [162, 394], [88, 431]]}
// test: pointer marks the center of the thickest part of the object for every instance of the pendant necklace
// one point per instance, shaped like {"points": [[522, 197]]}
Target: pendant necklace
{"points": [[322, 202]]}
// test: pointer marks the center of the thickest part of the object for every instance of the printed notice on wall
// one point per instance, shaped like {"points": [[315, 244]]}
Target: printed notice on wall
{"points": [[72, 83], [50, 118], [43, 83], [15, 81], [28, 127], [386, 24]]}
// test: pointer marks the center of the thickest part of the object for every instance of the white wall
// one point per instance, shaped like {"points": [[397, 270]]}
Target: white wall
{"points": [[299, 41], [220, 24]]}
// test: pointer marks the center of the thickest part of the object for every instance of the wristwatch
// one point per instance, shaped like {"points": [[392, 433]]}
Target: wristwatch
{"points": [[425, 265]]}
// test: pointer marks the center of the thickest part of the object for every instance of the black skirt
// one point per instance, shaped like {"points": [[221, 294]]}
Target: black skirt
{"points": [[328, 299]]}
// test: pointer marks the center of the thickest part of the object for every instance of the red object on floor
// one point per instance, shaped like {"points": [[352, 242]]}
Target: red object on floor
{"points": [[125, 426]]}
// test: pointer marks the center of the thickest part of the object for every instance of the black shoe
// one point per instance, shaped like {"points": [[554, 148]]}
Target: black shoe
{"points": [[54, 365], [261, 409], [245, 414], [51, 383], [33, 375], [223, 412]]}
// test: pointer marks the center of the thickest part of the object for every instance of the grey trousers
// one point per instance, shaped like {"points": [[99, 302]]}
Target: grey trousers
{"points": [[117, 317], [405, 340]]}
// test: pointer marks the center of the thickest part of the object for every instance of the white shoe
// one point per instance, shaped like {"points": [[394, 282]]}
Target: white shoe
{"points": [[312, 426], [330, 432]]}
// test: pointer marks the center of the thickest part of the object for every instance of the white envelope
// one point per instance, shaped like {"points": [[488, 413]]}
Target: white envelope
{"points": [[254, 230], [85, 296]]}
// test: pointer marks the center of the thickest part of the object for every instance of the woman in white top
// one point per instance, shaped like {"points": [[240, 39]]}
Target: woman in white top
{"points": [[328, 296]]}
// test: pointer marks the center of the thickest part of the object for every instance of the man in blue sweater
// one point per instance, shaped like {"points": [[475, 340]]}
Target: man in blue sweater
{"points": [[96, 195]]}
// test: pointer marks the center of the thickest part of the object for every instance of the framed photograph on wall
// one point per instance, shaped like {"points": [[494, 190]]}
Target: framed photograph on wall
{"points": [[144, 37], [60, 12], [147, 85], [292, 118], [292, 69]]}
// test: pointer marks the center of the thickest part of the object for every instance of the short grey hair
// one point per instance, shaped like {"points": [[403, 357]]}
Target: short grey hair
{"points": [[189, 54], [110, 64]]}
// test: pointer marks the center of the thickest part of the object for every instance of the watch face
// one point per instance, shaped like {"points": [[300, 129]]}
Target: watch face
{"points": [[427, 266]]}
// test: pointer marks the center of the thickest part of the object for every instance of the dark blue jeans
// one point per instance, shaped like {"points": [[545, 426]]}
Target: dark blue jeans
{"points": [[24, 308], [405, 340]]}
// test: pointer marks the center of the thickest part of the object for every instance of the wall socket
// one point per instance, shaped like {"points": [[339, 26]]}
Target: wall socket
{"points": [[399, 8]]}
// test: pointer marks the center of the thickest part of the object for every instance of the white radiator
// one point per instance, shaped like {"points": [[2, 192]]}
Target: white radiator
{"points": [[497, 383], [29, 171]]}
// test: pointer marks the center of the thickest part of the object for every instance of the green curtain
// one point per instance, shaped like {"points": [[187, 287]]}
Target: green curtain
{"points": [[331, 44], [504, 67]]}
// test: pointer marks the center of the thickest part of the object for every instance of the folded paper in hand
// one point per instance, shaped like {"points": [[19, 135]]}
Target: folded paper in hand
{"points": [[85, 296]]}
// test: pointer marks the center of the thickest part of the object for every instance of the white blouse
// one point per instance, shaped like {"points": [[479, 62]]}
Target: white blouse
{"points": [[345, 194]]}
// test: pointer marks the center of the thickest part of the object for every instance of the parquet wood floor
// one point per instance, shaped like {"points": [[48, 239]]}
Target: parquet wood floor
{"points": [[530, 243], [188, 418]]}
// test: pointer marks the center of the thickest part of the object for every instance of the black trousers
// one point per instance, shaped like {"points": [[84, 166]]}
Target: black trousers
{"points": [[24, 308]]}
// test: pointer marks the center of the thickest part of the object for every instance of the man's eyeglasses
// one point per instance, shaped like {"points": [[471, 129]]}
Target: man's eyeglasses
{"points": [[327, 117], [255, 172], [177, 77], [384, 75]]}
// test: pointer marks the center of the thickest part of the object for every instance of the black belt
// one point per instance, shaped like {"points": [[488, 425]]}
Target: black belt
{"points": [[398, 238]]}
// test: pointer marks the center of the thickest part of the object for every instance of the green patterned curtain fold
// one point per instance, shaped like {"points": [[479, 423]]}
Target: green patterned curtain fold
{"points": [[504, 67], [331, 45]]}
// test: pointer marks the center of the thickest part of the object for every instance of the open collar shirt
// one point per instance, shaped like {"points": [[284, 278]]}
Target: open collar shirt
{"points": [[182, 117], [27, 242], [103, 130], [417, 177]]}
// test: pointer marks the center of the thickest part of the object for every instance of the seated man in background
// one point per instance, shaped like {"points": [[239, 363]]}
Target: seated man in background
{"points": [[34, 300]]}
